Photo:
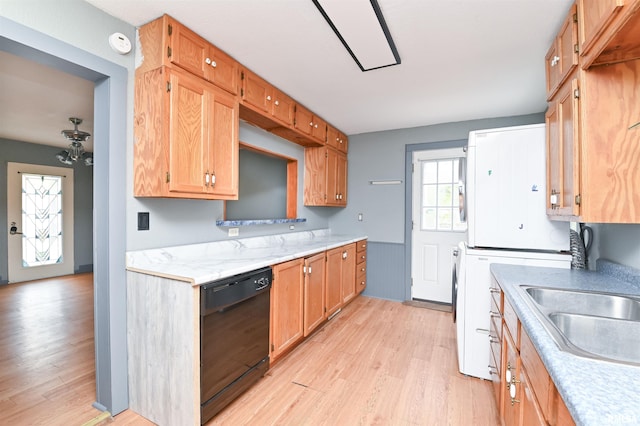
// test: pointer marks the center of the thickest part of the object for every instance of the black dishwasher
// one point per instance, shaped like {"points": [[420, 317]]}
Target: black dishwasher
{"points": [[234, 338]]}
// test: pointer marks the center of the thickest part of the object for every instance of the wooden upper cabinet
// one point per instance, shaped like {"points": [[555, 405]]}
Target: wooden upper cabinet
{"points": [[337, 139], [609, 31], [186, 137], [166, 41], [562, 57], [325, 177], [563, 152], [311, 125], [262, 96]]}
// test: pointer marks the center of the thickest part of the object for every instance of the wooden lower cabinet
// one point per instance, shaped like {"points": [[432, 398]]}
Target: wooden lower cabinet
{"points": [[307, 291], [287, 304], [361, 266], [526, 394], [314, 292]]}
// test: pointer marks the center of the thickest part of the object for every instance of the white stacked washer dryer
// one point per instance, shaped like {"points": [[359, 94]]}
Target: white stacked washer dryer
{"points": [[507, 223]]}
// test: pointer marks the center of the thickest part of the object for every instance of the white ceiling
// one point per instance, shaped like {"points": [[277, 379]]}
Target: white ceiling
{"points": [[461, 60]]}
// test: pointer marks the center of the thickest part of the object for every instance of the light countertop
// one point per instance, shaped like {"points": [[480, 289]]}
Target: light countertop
{"points": [[597, 393], [202, 263]]}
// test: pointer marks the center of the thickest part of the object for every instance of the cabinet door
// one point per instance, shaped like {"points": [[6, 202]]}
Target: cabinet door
{"points": [[187, 49], [315, 176], [568, 45], [286, 306], [255, 91], [595, 17], [348, 273], [332, 190], [341, 179], [512, 399], [188, 123], [333, 296], [531, 413], [303, 120], [283, 108], [223, 151], [223, 70], [314, 292], [319, 129], [563, 144]]}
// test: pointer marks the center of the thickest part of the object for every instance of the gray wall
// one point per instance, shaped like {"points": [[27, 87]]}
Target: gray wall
{"points": [[22, 152], [616, 242], [379, 156], [177, 222]]}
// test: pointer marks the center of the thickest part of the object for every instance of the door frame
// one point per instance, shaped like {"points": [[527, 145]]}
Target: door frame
{"points": [[109, 204], [16, 272], [408, 199]]}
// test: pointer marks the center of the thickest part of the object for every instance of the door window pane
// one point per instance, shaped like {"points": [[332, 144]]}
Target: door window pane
{"points": [[440, 200], [41, 220]]}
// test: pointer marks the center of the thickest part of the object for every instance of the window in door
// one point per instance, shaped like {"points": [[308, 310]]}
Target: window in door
{"points": [[40, 217], [41, 220], [440, 204]]}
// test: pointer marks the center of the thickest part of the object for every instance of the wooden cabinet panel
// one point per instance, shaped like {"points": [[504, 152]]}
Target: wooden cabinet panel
{"points": [[325, 177], [255, 91], [187, 49], [314, 292], [532, 414], [188, 118], [311, 125], [186, 137], [283, 108], [333, 295], [540, 381], [563, 152], [337, 139], [609, 31], [361, 266], [348, 276], [511, 402], [562, 57], [287, 304], [511, 323]]}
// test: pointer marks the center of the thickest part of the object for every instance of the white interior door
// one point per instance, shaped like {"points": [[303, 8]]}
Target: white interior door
{"points": [[437, 227], [40, 221]]}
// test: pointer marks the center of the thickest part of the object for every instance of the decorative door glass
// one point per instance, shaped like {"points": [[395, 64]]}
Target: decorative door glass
{"points": [[41, 220]]}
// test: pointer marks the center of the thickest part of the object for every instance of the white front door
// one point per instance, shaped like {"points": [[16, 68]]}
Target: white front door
{"points": [[40, 221], [437, 228]]}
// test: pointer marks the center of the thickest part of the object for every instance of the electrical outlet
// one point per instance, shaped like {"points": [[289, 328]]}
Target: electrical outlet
{"points": [[143, 221], [292, 227], [234, 232]]}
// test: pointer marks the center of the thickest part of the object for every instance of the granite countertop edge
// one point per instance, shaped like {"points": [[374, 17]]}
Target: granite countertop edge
{"points": [[597, 393], [201, 263]]}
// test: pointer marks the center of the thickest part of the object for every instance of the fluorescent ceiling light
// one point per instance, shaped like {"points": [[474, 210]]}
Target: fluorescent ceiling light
{"points": [[361, 28]]}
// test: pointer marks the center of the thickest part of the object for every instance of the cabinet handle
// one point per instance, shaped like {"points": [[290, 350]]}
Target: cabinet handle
{"points": [[344, 254], [311, 124], [268, 97], [316, 126], [208, 61], [309, 270], [206, 179], [277, 103], [213, 179], [214, 64]]}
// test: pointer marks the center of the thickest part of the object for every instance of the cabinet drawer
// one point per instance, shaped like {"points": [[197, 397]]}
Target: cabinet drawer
{"points": [[511, 322], [361, 276], [361, 246]]}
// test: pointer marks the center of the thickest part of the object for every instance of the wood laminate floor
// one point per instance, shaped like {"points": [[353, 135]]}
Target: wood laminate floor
{"points": [[376, 363]]}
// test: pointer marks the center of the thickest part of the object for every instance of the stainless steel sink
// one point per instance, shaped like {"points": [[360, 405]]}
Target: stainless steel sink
{"points": [[588, 303], [613, 339], [603, 326]]}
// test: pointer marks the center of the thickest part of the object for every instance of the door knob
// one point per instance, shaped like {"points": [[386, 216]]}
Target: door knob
{"points": [[13, 230]]}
